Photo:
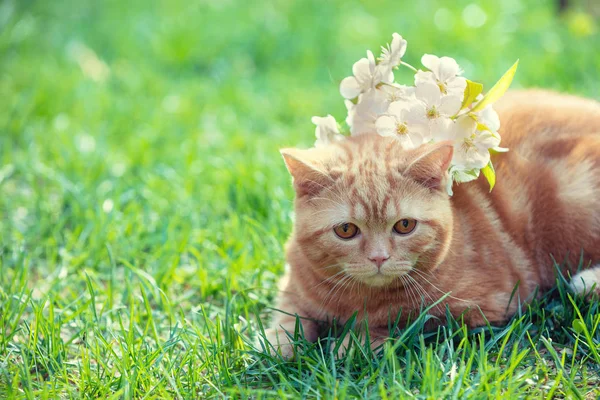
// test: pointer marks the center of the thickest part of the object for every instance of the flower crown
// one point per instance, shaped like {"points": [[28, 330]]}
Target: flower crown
{"points": [[442, 105]]}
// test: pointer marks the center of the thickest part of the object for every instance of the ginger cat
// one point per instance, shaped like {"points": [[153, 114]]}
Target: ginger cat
{"points": [[376, 232]]}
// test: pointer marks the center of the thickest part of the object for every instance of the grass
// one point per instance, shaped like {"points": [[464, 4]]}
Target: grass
{"points": [[144, 204]]}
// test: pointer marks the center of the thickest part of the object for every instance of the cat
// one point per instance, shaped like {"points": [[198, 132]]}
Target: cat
{"points": [[376, 232]]}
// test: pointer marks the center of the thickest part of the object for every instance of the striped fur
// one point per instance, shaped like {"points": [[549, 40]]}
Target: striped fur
{"points": [[477, 246]]}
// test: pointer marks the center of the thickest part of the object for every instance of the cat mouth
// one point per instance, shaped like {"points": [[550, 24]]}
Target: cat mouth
{"points": [[378, 279], [381, 278]]}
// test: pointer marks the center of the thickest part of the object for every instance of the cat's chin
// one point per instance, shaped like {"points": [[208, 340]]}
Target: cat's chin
{"points": [[378, 280]]}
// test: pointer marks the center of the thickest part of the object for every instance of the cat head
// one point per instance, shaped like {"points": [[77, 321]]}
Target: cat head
{"points": [[370, 210]]}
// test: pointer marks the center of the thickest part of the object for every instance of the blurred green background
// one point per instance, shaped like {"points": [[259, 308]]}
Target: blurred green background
{"points": [[152, 126], [139, 139]]}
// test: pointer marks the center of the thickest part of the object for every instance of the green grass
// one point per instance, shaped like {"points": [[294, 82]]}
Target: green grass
{"points": [[144, 204]]}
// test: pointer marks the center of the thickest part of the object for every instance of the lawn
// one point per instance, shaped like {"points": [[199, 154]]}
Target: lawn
{"points": [[144, 205]]}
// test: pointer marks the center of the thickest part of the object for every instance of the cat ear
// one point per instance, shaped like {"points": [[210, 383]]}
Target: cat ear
{"points": [[307, 171], [430, 166]]}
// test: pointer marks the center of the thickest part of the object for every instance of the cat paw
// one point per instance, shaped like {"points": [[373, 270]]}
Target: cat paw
{"points": [[586, 281], [279, 343]]}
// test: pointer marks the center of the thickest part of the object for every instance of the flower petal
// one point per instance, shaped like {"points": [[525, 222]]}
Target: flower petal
{"points": [[362, 71], [350, 88], [419, 134], [432, 63], [449, 105], [410, 141], [416, 113], [386, 125], [326, 131], [393, 53], [448, 69], [487, 141], [351, 111], [422, 77], [399, 109], [327, 123], [469, 157], [371, 104], [463, 175], [489, 117], [462, 128], [384, 73], [429, 93], [398, 47], [456, 86], [441, 129]]}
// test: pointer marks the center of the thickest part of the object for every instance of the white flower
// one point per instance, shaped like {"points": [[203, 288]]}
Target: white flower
{"points": [[406, 121], [471, 146], [367, 75], [395, 92], [444, 72], [327, 131], [351, 108], [438, 108], [393, 53], [362, 115], [489, 117], [437, 104]]}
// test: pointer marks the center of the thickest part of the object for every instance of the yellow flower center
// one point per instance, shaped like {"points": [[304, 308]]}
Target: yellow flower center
{"points": [[393, 97], [401, 129], [467, 144], [432, 113]]}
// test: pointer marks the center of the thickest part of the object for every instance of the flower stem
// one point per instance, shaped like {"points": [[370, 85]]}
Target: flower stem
{"points": [[408, 66]]}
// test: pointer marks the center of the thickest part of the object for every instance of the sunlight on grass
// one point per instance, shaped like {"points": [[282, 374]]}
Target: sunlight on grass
{"points": [[145, 205]]}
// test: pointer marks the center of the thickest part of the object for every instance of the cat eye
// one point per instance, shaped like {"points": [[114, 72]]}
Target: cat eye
{"points": [[405, 226], [346, 230]]}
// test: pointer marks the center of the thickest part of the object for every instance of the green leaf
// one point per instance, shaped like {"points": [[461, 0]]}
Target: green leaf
{"points": [[472, 90], [498, 90], [490, 174], [578, 326], [482, 127]]}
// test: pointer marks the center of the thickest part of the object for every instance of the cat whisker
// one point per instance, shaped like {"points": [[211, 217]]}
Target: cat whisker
{"points": [[331, 278], [424, 293], [408, 291], [420, 274], [332, 291], [419, 296], [353, 281]]}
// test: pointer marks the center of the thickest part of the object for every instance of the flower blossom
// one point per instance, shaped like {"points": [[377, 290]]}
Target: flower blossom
{"points": [[405, 121], [362, 115], [438, 108], [392, 54], [443, 72], [430, 111], [326, 131], [471, 145], [395, 92], [366, 76]]}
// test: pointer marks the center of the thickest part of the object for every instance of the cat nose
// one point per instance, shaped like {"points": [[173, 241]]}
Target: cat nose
{"points": [[379, 260]]}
